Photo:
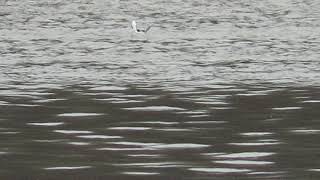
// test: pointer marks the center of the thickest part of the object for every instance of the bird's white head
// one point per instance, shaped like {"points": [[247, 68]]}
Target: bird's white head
{"points": [[134, 26]]}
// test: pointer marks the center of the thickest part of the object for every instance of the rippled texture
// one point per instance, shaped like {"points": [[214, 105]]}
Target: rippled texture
{"points": [[216, 89]]}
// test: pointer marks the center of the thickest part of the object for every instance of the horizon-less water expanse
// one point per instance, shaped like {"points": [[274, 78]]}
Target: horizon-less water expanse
{"points": [[215, 90]]}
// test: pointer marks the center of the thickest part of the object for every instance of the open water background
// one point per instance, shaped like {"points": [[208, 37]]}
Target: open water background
{"points": [[216, 90]]}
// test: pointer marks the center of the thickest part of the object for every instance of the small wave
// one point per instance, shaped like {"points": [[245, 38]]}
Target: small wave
{"points": [[68, 167], [155, 108], [79, 114], [220, 170]]}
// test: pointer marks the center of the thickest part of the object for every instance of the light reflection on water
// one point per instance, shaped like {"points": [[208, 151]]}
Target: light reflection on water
{"points": [[219, 89], [250, 140]]}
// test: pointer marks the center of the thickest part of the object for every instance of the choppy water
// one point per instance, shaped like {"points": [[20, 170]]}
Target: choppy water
{"points": [[217, 90]]}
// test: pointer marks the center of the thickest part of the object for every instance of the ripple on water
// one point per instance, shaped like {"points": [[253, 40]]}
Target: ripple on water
{"points": [[48, 100], [199, 116], [130, 128], [256, 144], [246, 155], [135, 143], [145, 155], [305, 131], [244, 162], [79, 114], [220, 170], [79, 143], [286, 108], [205, 122], [256, 134], [157, 122], [152, 146], [174, 129], [314, 170], [46, 124], [155, 108], [266, 173], [154, 164], [4, 103], [125, 149], [140, 173], [180, 146], [68, 168], [119, 100], [73, 132], [99, 137], [311, 101], [108, 88]]}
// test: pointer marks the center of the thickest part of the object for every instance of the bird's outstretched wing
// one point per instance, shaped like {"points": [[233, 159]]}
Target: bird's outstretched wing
{"points": [[148, 28]]}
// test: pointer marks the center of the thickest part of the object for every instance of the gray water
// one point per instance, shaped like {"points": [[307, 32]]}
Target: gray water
{"points": [[215, 90]]}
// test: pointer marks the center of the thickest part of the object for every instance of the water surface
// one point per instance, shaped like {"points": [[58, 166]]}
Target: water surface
{"points": [[223, 90]]}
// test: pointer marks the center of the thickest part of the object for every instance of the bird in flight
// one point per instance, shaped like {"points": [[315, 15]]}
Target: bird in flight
{"points": [[134, 27]]}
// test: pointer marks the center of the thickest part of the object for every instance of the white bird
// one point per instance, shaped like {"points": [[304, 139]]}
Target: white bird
{"points": [[134, 27]]}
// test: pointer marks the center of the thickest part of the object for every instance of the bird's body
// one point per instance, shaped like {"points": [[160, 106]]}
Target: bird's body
{"points": [[134, 27]]}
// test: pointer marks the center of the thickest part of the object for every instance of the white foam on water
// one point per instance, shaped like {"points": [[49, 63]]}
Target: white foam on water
{"points": [[79, 114], [244, 162], [47, 124], [68, 167], [220, 170], [73, 132], [154, 108]]}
